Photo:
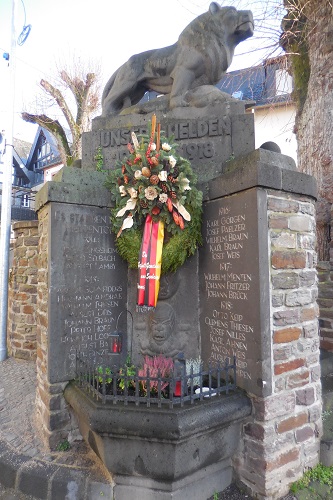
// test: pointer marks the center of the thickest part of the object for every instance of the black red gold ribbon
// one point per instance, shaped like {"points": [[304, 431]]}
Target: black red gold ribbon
{"points": [[150, 260]]}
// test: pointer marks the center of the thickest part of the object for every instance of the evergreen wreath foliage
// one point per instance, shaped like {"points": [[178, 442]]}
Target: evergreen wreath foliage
{"points": [[154, 180]]}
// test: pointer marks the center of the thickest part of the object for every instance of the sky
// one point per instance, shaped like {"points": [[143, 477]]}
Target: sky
{"points": [[104, 33]]}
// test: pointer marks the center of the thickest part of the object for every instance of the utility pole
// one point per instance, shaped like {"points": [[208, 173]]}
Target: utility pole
{"points": [[7, 195]]}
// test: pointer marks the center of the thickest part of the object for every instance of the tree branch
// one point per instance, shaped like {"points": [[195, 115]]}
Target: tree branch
{"points": [[54, 127]]}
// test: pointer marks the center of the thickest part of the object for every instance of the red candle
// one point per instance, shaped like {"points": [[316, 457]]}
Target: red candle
{"points": [[115, 346], [178, 388]]}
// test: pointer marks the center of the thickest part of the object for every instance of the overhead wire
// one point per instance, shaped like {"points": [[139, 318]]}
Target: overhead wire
{"points": [[25, 30]]}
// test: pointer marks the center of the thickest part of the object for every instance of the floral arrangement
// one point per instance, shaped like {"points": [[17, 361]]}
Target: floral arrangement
{"points": [[154, 181], [158, 366]]}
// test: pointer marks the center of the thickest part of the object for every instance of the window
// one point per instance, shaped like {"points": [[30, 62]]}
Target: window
{"points": [[25, 201], [43, 154]]}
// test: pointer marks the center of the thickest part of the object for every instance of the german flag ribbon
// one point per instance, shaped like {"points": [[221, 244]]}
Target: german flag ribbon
{"points": [[150, 260]]}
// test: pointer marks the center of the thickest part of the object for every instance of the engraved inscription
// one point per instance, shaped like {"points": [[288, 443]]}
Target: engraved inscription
{"points": [[88, 290], [229, 282], [195, 138]]}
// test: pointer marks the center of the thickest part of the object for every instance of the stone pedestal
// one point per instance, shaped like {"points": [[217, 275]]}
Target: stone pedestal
{"points": [[258, 302], [82, 289], [160, 453]]}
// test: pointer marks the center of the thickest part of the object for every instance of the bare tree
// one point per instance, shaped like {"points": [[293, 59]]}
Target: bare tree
{"points": [[308, 38], [84, 91], [304, 30]]}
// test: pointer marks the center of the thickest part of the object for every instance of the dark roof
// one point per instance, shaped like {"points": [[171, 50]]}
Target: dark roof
{"points": [[20, 213], [257, 83], [22, 148]]}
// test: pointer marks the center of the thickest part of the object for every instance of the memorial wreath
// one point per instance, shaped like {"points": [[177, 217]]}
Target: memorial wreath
{"points": [[157, 213]]}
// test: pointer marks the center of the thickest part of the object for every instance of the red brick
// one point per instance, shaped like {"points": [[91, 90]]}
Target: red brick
{"points": [[283, 459], [288, 366], [292, 423], [284, 259], [298, 380], [282, 205], [287, 335], [277, 222]]}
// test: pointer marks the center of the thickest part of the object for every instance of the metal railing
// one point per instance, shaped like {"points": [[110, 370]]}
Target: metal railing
{"points": [[119, 385]]}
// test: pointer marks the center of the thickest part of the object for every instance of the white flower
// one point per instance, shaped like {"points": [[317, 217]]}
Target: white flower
{"points": [[122, 191], [135, 141], [127, 224], [132, 192], [172, 161], [163, 198], [184, 184], [152, 146], [166, 146], [151, 193], [138, 174], [130, 205], [163, 175]]}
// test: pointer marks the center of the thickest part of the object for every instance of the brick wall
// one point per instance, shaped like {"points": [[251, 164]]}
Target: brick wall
{"points": [[282, 437], [21, 325], [325, 298]]}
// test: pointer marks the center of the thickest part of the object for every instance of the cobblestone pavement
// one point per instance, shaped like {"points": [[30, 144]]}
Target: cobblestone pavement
{"points": [[26, 466], [29, 471]]}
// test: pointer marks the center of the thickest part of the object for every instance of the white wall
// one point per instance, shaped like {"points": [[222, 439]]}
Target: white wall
{"points": [[276, 124]]}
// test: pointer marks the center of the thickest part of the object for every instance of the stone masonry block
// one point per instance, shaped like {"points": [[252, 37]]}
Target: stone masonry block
{"points": [[277, 299], [288, 366], [283, 459], [285, 280], [273, 406], [298, 379], [287, 317], [283, 240], [292, 423], [282, 353], [306, 396], [307, 277], [304, 434], [298, 298], [282, 205], [300, 223], [287, 335], [310, 330], [309, 313], [255, 430], [283, 259], [315, 412], [307, 208], [277, 222]]}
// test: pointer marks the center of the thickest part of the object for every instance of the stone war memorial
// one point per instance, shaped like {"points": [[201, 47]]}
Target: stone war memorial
{"points": [[176, 308]]}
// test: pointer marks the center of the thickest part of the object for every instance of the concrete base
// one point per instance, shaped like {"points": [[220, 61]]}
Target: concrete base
{"points": [[198, 486], [162, 453]]}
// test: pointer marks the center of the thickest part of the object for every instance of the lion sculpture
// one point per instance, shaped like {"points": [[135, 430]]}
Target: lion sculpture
{"points": [[201, 56]]}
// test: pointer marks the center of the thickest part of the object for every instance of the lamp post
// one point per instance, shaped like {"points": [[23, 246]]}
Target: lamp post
{"points": [[6, 196]]}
